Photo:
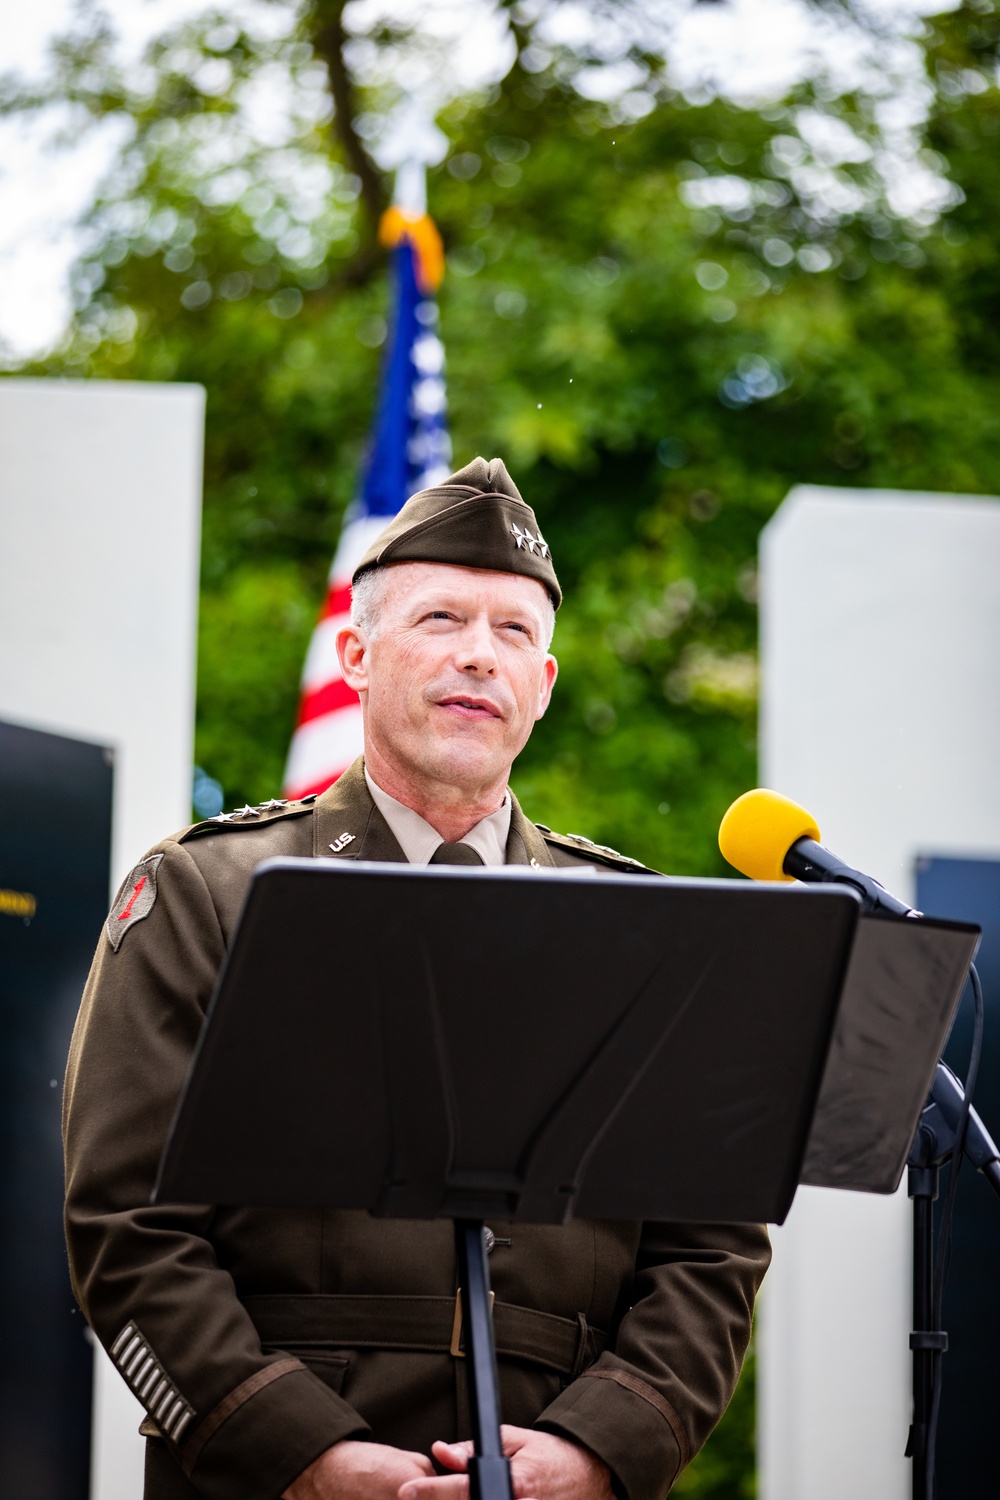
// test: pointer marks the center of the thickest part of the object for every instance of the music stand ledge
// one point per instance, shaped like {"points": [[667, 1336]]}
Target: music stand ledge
{"points": [[682, 1020]]}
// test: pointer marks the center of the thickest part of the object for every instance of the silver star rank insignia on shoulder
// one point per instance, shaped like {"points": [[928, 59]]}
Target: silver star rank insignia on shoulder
{"points": [[135, 900]]}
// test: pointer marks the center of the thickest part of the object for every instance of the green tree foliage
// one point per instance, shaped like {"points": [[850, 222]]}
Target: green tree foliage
{"points": [[660, 322], [725, 1469], [662, 315]]}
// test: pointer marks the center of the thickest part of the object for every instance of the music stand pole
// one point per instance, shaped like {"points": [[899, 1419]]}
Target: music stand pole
{"points": [[935, 1144], [489, 1470], [927, 1341]]}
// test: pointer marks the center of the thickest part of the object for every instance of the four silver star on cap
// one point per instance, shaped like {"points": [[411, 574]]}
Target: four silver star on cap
{"points": [[525, 539]]}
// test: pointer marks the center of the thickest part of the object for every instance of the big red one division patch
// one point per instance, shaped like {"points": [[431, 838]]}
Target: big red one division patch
{"points": [[135, 900]]}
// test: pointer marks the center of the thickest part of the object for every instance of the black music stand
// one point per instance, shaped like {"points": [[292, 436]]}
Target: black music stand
{"points": [[679, 1033]]}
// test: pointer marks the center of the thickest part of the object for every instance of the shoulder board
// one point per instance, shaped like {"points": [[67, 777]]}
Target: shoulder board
{"points": [[600, 853], [250, 817]]}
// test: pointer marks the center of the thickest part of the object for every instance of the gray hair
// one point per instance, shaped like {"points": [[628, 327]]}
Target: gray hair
{"points": [[368, 595]]}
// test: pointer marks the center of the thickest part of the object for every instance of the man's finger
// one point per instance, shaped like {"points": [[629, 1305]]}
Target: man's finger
{"points": [[441, 1487], [513, 1438], [453, 1455]]}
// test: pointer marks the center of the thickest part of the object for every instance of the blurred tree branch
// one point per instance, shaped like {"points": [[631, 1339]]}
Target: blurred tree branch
{"points": [[325, 23]]}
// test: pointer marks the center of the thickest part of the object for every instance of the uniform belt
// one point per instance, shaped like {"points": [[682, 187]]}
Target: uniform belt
{"points": [[420, 1324]]}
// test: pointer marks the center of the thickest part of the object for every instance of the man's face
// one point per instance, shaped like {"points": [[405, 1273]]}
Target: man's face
{"points": [[457, 671]]}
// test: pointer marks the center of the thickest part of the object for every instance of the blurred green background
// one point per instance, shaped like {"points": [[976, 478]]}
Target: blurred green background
{"points": [[662, 311]]}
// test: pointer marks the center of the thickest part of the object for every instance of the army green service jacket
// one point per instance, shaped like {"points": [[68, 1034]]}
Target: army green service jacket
{"points": [[256, 1338]]}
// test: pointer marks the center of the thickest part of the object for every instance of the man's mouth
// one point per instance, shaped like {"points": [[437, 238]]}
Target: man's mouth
{"points": [[470, 708]]}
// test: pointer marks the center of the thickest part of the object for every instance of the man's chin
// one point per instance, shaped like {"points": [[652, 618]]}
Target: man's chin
{"points": [[469, 753]]}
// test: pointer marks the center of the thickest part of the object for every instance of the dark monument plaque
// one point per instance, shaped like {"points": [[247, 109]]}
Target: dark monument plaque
{"points": [[55, 849], [969, 890]]}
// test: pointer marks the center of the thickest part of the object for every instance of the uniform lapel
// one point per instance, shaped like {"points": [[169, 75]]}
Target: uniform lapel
{"points": [[525, 845], [348, 825]]}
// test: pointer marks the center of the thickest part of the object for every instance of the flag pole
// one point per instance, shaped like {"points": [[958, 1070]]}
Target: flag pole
{"points": [[409, 450]]}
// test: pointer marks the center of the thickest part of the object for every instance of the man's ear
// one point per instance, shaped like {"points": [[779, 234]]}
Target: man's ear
{"points": [[550, 671], [352, 650]]}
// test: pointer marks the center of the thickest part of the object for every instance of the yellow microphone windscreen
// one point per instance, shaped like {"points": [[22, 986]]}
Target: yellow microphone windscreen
{"points": [[758, 831]]}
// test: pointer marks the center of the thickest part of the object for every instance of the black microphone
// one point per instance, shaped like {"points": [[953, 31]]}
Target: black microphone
{"points": [[770, 837], [807, 860]]}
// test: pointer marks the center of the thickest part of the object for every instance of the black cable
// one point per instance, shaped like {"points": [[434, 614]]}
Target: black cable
{"points": [[947, 1221]]}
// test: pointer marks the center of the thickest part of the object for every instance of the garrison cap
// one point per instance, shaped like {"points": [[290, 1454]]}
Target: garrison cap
{"points": [[473, 519]]}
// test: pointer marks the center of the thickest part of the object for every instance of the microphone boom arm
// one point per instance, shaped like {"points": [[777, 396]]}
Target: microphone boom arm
{"points": [[948, 1095], [806, 860]]}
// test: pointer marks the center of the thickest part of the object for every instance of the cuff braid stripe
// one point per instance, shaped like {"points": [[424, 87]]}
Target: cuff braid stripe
{"points": [[660, 1403], [236, 1398], [150, 1382]]}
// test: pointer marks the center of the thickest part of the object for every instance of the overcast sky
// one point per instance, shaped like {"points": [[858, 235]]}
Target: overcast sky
{"points": [[752, 48]]}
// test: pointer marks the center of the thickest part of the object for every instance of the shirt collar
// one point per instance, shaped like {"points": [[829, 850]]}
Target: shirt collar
{"points": [[418, 840]]}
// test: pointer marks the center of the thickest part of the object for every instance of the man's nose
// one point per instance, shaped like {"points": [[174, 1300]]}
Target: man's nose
{"points": [[477, 653]]}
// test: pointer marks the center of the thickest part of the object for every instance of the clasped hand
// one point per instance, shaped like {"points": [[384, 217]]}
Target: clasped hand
{"points": [[543, 1467]]}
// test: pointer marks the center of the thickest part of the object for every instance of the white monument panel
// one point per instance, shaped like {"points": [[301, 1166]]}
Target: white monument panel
{"points": [[880, 646], [100, 511]]}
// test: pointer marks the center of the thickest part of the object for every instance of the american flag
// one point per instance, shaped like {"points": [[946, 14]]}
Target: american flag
{"points": [[410, 451]]}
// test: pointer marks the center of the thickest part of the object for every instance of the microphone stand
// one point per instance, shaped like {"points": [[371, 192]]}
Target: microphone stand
{"points": [[936, 1142], [934, 1145]]}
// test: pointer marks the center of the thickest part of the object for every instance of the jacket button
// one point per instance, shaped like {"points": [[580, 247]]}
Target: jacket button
{"points": [[490, 1239]]}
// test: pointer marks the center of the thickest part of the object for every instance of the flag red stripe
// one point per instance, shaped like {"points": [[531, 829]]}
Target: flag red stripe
{"points": [[325, 699], [338, 601]]}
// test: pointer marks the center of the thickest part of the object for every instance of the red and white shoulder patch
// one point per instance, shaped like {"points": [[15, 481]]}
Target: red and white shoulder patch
{"points": [[136, 900]]}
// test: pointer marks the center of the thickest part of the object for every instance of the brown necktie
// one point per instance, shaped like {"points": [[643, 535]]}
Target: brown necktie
{"points": [[455, 854]]}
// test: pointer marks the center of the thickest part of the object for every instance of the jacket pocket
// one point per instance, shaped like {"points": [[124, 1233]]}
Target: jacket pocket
{"points": [[331, 1365], [331, 1368]]}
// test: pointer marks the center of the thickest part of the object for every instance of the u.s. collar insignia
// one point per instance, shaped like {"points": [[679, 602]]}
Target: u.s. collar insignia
{"points": [[342, 842], [135, 900], [524, 538]]}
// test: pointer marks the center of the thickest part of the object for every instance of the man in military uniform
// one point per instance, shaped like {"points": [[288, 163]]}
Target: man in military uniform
{"points": [[308, 1354]]}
